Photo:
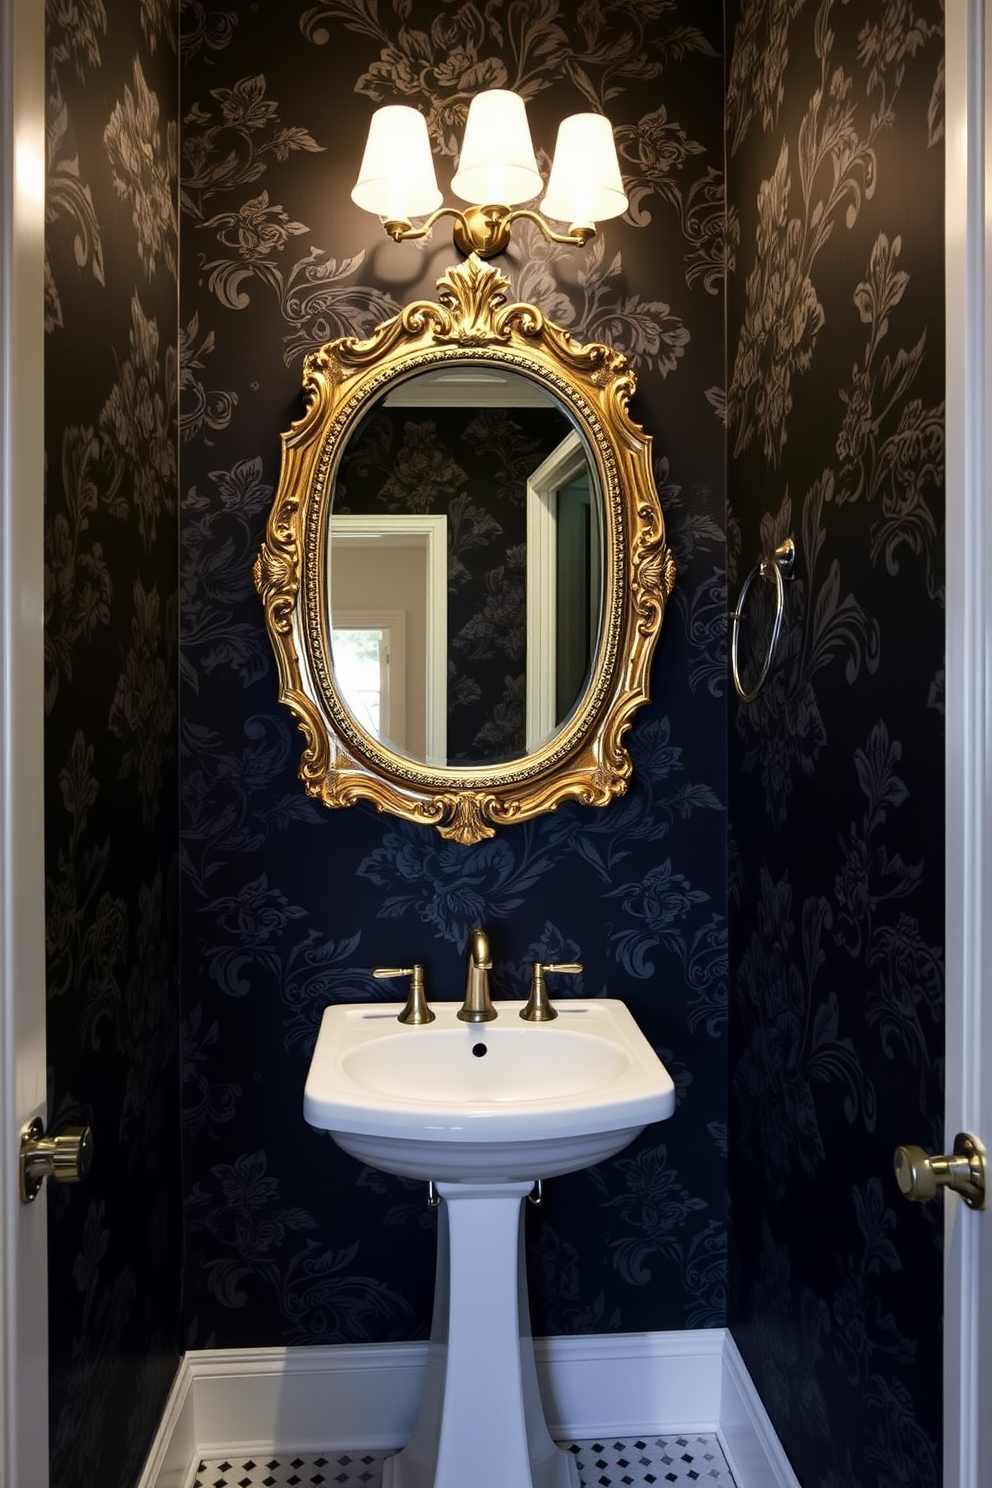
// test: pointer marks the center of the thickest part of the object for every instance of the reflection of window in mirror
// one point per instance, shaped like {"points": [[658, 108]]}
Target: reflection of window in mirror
{"points": [[564, 587], [366, 660]]}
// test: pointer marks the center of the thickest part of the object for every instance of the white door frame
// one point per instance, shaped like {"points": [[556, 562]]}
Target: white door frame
{"points": [[968, 672], [23, 1228], [543, 484]]}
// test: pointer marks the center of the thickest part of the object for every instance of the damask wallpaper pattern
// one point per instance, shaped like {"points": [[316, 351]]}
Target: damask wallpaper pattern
{"points": [[836, 434], [286, 906], [831, 389], [111, 734]]}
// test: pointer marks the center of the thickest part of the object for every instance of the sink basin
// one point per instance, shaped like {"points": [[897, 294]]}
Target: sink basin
{"points": [[493, 1102]]}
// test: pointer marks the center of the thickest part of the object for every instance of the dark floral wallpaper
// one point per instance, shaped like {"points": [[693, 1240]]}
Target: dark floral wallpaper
{"points": [[836, 438], [825, 397], [286, 905], [111, 739]]}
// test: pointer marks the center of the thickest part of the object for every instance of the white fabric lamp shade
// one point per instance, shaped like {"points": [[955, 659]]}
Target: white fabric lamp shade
{"points": [[397, 179], [585, 185], [497, 164]]}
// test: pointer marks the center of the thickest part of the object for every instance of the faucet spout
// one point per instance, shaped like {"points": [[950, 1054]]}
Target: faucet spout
{"points": [[477, 1007]]}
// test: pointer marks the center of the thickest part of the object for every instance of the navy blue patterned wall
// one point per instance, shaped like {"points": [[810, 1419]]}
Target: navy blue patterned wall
{"points": [[836, 436], [835, 431], [111, 736], [287, 905]]}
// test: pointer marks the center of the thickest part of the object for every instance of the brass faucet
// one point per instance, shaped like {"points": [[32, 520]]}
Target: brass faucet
{"points": [[477, 1007]]}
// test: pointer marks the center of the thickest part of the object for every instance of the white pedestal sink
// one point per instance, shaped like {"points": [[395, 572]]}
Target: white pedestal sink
{"points": [[483, 1110]]}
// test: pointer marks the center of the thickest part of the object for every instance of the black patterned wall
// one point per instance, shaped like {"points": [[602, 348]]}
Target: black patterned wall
{"points": [[836, 436], [111, 735], [286, 905], [833, 383]]}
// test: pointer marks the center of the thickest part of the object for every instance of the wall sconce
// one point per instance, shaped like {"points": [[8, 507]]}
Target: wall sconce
{"points": [[496, 167]]}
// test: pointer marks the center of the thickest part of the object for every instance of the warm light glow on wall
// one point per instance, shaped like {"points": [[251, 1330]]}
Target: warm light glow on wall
{"points": [[29, 171]]}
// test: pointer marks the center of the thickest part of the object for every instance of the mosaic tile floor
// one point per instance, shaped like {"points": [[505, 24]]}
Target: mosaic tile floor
{"points": [[652, 1460]]}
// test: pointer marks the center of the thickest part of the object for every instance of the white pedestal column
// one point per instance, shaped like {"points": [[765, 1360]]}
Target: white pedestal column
{"points": [[481, 1422]]}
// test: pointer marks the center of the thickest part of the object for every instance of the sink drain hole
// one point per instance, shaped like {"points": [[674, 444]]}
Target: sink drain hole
{"points": [[479, 1049]]}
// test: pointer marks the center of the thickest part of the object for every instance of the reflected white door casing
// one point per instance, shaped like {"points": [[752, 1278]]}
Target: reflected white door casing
{"points": [[23, 1239], [968, 1234]]}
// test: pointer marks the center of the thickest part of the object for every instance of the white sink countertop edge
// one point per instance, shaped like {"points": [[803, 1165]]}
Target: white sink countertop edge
{"points": [[334, 1101]]}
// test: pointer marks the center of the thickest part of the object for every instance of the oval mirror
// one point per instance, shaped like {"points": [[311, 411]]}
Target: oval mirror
{"points": [[465, 569], [465, 574]]}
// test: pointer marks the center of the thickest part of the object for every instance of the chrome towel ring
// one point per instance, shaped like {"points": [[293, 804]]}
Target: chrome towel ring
{"points": [[776, 567]]}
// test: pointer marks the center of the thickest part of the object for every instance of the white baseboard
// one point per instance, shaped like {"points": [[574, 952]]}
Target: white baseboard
{"points": [[312, 1399], [753, 1451]]}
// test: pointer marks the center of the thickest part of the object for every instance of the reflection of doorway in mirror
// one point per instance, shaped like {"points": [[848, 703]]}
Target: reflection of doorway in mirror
{"points": [[389, 573], [564, 587]]}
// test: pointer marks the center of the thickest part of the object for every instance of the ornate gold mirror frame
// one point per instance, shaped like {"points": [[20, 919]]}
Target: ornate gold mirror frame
{"points": [[472, 324]]}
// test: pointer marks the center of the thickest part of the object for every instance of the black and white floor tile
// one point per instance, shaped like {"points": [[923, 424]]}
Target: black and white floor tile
{"points": [[640, 1462]]}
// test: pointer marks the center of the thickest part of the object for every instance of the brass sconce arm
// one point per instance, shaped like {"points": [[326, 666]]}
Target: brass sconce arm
{"points": [[485, 230]]}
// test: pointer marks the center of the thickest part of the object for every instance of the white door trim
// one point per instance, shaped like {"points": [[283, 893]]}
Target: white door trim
{"points": [[968, 1107], [23, 1239], [543, 484]]}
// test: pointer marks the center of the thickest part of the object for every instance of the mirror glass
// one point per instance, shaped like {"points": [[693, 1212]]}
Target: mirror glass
{"points": [[465, 567]]}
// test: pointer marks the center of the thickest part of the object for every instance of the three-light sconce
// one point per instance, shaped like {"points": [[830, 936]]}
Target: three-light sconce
{"points": [[497, 168]]}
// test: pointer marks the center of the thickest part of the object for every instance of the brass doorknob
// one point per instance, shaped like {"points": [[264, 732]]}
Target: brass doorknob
{"points": [[920, 1176], [66, 1157]]}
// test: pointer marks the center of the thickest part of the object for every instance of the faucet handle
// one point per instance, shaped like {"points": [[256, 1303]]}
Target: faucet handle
{"points": [[415, 1009], [539, 1009]]}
